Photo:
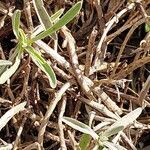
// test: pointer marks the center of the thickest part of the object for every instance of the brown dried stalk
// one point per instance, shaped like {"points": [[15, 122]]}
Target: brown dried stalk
{"points": [[131, 67], [50, 110]]}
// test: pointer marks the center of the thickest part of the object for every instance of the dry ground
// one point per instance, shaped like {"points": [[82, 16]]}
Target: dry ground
{"points": [[102, 63]]}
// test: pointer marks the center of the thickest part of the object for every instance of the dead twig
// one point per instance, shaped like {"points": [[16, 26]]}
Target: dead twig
{"points": [[125, 42], [50, 109], [130, 68], [106, 30], [89, 53], [60, 125], [144, 91]]}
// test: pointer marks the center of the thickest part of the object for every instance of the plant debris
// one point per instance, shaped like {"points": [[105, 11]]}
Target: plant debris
{"points": [[102, 64]]}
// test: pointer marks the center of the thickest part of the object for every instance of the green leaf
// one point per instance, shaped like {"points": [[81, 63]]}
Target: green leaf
{"points": [[23, 38], [66, 18], [43, 16], [79, 126], [10, 113], [9, 72], [43, 65], [55, 17], [16, 23], [126, 120], [113, 131], [147, 27], [12, 59], [5, 62], [84, 141]]}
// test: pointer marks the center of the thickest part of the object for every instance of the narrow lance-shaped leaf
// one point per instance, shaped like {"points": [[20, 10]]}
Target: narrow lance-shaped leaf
{"points": [[85, 141], [126, 120], [113, 131], [5, 62], [10, 113], [80, 126], [12, 58], [43, 65], [147, 27], [16, 22], [9, 72], [23, 37], [55, 16], [43, 16], [67, 17]]}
